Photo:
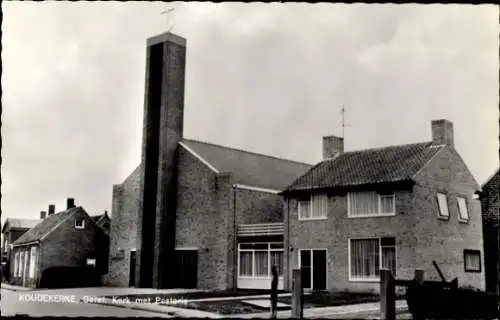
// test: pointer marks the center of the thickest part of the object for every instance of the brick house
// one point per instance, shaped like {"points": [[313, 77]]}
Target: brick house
{"points": [[12, 229], [194, 214], [67, 238], [490, 206], [398, 207]]}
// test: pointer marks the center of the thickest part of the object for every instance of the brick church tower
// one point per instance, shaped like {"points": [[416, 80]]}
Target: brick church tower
{"points": [[162, 130]]}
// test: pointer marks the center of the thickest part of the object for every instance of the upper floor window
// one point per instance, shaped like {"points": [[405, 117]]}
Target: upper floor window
{"points": [[463, 213], [315, 207], [370, 204], [443, 205], [79, 223]]}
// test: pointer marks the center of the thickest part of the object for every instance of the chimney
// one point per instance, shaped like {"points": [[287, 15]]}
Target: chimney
{"points": [[52, 209], [43, 214], [332, 146], [442, 132], [70, 203]]}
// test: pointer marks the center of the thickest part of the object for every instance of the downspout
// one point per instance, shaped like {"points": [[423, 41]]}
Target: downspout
{"points": [[288, 240], [235, 243]]}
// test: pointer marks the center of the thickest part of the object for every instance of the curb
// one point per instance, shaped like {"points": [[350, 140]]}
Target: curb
{"points": [[124, 306], [12, 288]]}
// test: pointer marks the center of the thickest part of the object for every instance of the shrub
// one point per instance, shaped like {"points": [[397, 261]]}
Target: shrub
{"points": [[434, 301]]}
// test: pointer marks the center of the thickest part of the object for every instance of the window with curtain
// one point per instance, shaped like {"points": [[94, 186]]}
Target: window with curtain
{"points": [[304, 209], [472, 260], [261, 264], [443, 205], [370, 203], [315, 207], [367, 256], [319, 206], [33, 262], [246, 263], [21, 264], [462, 209], [277, 260]]}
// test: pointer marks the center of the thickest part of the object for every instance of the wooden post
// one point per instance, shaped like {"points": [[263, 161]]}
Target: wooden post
{"points": [[296, 294], [387, 296], [419, 276]]}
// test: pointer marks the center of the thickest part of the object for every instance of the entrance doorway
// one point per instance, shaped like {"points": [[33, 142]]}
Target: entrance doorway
{"points": [[131, 282], [186, 271], [313, 265]]}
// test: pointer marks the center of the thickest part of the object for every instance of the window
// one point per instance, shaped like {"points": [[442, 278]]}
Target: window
{"points": [[367, 256], [21, 264], [33, 262], [370, 204], [79, 223], [315, 207], [16, 264], [443, 205], [463, 213], [257, 259], [472, 260], [246, 263]]}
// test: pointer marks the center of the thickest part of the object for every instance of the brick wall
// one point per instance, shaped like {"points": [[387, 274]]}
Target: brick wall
{"points": [[68, 246], [333, 234], [445, 240], [490, 203], [202, 206], [420, 236], [123, 229]]}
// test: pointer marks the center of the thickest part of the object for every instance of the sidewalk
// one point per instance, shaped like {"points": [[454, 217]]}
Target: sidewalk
{"points": [[347, 311], [15, 288]]}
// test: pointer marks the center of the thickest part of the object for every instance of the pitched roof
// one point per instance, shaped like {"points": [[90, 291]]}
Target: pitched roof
{"points": [[248, 168], [369, 166], [46, 226], [102, 221], [14, 223]]}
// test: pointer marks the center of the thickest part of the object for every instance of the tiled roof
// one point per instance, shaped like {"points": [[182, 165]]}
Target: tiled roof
{"points": [[14, 223], [46, 226], [249, 168], [102, 221], [370, 166]]}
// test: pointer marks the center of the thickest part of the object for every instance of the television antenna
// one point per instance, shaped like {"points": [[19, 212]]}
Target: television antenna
{"points": [[169, 28], [344, 124]]}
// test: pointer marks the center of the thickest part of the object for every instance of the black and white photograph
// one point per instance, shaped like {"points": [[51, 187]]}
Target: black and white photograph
{"points": [[250, 160]]}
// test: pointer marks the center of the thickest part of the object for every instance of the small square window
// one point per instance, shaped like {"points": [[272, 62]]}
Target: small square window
{"points": [[443, 205], [472, 260], [462, 210], [79, 223]]}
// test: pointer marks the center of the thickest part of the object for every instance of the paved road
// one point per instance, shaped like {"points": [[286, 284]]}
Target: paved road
{"points": [[12, 303]]}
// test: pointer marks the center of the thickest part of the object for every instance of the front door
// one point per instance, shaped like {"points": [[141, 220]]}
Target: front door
{"points": [[186, 268], [313, 266], [131, 282]]}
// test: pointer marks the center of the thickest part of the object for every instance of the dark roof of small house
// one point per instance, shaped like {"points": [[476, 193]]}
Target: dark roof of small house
{"points": [[102, 221], [14, 223], [47, 226], [249, 168], [369, 166]]}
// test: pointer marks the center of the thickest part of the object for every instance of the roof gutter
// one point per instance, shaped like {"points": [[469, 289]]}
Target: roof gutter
{"points": [[14, 245]]}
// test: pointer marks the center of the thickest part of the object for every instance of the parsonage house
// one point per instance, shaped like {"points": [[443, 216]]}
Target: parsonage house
{"points": [[490, 206], [67, 238], [398, 207], [199, 215], [12, 229], [194, 214]]}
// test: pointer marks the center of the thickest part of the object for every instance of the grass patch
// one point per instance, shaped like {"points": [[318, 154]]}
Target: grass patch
{"points": [[194, 295], [224, 307], [331, 299]]}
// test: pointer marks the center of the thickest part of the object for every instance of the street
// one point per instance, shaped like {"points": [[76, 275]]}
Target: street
{"points": [[12, 304]]}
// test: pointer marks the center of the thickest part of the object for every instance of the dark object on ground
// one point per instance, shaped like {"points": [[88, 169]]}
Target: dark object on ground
{"points": [[70, 277], [432, 301]]}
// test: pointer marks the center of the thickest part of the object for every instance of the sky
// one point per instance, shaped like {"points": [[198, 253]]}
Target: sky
{"points": [[268, 78]]}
